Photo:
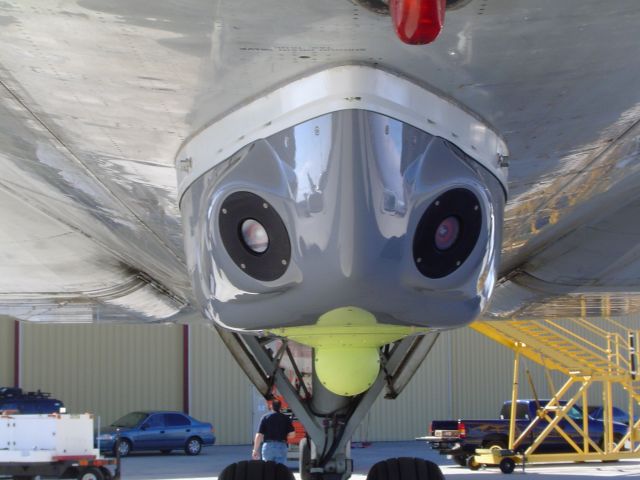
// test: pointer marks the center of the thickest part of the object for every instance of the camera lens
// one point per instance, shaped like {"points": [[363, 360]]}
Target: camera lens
{"points": [[447, 233], [254, 236]]}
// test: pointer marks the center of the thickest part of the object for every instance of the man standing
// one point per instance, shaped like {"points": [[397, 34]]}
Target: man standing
{"points": [[274, 429]]}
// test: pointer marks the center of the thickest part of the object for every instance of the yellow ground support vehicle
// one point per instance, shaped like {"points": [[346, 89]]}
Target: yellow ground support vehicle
{"points": [[592, 357]]}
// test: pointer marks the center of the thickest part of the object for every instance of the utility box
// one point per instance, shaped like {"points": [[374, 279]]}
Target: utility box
{"points": [[46, 437]]}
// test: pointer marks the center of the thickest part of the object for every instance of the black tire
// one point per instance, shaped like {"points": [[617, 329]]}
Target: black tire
{"points": [[405, 468], [460, 460], [165, 452], [304, 462], [256, 470], [472, 464], [193, 446], [107, 473], [507, 465], [90, 473], [124, 446]]}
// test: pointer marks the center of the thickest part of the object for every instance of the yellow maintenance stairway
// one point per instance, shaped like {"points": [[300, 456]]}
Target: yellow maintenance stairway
{"points": [[600, 355]]}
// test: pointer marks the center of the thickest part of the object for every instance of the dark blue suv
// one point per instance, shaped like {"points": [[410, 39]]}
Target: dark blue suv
{"points": [[14, 399]]}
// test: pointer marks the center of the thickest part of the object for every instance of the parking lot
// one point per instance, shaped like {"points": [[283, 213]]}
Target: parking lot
{"points": [[212, 460]]}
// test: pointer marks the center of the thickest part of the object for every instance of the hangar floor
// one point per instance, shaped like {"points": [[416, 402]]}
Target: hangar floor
{"points": [[212, 460]]}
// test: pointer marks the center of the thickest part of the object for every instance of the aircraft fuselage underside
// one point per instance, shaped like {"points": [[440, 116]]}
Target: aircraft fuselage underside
{"points": [[352, 212]]}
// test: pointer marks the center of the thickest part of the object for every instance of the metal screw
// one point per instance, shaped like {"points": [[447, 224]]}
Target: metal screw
{"points": [[186, 164], [458, 263], [243, 266], [265, 205], [284, 262], [437, 203], [418, 260], [224, 211], [475, 207]]}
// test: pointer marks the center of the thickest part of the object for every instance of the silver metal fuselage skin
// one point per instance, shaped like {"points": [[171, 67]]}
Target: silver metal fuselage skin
{"points": [[98, 97], [350, 187]]}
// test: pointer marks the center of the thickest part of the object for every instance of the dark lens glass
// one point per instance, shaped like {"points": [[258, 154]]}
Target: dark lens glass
{"points": [[447, 233], [254, 236]]}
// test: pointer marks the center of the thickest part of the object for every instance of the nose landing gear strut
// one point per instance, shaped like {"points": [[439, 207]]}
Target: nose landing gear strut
{"points": [[330, 420]]}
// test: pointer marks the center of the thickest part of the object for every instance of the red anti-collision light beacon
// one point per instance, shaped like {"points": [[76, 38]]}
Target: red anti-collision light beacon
{"points": [[417, 22]]}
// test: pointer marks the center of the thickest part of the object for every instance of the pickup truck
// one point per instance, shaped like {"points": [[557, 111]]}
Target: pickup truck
{"points": [[460, 438], [16, 400]]}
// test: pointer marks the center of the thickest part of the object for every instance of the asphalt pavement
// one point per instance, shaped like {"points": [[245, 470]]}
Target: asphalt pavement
{"points": [[212, 460]]}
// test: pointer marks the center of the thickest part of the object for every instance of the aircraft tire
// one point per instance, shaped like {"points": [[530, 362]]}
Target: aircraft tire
{"points": [[405, 468], [256, 470]]}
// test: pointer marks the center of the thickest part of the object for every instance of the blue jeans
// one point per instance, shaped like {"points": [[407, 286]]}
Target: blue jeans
{"points": [[275, 451]]}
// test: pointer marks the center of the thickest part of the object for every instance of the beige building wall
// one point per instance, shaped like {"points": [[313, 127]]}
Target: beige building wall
{"points": [[113, 369], [465, 375], [426, 396], [220, 391], [108, 370], [6, 351]]}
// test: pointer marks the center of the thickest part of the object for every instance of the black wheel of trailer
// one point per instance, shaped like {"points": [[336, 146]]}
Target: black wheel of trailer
{"points": [[405, 468], [91, 473], [256, 470], [472, 463], [107, 473], [507, 465]]}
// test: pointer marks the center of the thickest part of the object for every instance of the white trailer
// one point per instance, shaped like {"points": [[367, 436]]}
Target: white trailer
{"points": [[59, 445]]}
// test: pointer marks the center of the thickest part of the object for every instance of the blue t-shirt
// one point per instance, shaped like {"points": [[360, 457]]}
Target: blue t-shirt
{"points": [[275, 427]]}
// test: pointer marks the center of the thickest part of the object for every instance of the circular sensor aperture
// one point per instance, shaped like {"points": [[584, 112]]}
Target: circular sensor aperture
{"points": [[254, 235], [447, 233]]}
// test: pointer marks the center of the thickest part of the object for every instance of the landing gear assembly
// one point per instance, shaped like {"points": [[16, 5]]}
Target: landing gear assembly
{"points": [[329, 419]]}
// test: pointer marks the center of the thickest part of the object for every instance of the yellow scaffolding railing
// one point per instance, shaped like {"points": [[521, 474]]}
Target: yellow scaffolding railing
{"points": [[589, 353]]}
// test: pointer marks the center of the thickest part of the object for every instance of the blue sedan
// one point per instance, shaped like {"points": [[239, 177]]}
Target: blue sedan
{"points": [[157, 430]]}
